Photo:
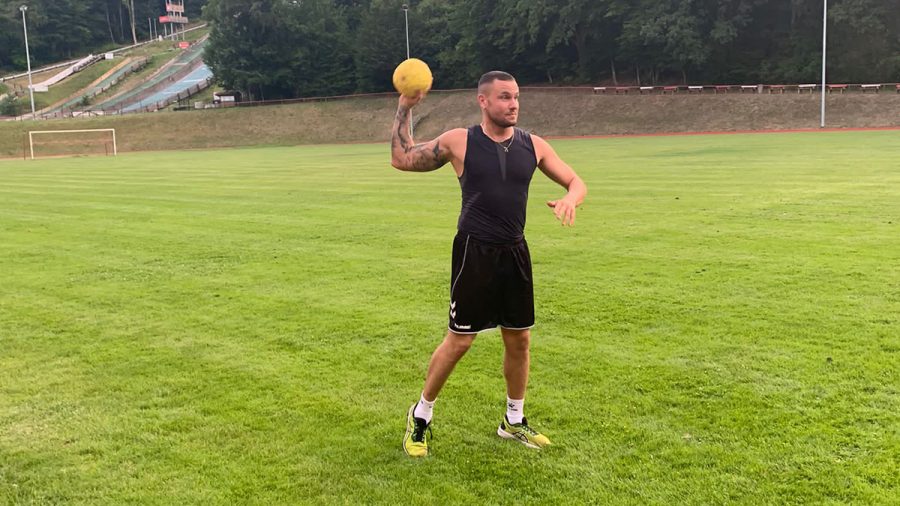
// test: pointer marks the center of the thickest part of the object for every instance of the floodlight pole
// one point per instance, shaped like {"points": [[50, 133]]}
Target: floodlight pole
{"points": [[24, 8], [824, 40], [406, 19]]}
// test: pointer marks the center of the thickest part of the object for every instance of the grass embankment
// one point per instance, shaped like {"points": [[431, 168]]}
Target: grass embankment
{"points": [[36, 77], [78, 82], [552, 113], [68, 86], [237, 326]]}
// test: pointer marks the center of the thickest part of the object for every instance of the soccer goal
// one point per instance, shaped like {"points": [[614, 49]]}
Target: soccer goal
{"points": [[94, 141]]}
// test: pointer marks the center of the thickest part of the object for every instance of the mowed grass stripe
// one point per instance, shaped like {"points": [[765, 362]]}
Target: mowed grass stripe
{"points": [[250, 325]]}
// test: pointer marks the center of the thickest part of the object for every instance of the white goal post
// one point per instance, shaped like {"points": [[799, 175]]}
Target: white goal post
{"points": [[32, 133]]}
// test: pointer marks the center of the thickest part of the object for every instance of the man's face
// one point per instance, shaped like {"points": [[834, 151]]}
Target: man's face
{"points": [[500, 100]]}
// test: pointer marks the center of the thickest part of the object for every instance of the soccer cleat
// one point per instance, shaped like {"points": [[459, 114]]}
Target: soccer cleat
{"points": [[418, 433], [522, 433]]}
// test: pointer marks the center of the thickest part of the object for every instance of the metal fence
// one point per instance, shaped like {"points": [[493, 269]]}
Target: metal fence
{"points": [[623, 90]]}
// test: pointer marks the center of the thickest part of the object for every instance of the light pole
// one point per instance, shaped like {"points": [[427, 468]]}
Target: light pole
{"points": [[405, 8], [24, 8], [406, 18], [824, 40]]}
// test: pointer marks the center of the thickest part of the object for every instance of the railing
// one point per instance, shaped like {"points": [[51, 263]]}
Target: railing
{"points": [[741, 88]]}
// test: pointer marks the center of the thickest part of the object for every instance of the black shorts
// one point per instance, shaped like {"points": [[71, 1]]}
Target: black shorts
{"points": [[490, 285]]}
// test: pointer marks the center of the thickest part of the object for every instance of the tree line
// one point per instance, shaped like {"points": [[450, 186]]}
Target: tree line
{"points": [[288, 48], [273, 49], [66, 29]]}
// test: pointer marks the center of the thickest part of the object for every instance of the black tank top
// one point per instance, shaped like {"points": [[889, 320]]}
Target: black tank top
{"points": [[495, 186]]}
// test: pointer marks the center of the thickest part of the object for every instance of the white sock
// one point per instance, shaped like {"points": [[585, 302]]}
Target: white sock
{"points": [[515, 410], [423, 409]]}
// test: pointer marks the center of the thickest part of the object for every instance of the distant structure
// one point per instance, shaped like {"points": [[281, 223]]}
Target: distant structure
{"points": [[174, 20]]}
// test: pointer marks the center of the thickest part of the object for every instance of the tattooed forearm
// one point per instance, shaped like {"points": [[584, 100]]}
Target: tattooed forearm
{"points": [[406, 155], [401, 129]]}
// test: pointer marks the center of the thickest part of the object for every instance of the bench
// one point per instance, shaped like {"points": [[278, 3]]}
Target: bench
{"points": [[695, 89], [748, 87], [776, 88], [622, 89], [870, 87], [837, 87], [648, 89], [673, 89], [599, 89], [806, 87], [722, 88]]}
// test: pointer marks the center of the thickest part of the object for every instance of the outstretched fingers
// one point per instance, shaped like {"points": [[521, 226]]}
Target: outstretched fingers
{"points": [[564, 211]]}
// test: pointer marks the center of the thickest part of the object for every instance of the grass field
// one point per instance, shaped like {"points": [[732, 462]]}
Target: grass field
{"points": [[249, 326]]}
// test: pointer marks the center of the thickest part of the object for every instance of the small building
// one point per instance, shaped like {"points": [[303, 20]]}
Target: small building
{"points": [[226, 98]]}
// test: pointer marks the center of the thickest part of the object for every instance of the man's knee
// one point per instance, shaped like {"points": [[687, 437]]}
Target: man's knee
{"points": [[459, 344], [517, 340]]}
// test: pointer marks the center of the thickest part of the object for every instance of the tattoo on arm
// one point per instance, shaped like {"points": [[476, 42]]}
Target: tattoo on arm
{"points": [[421, 157]]}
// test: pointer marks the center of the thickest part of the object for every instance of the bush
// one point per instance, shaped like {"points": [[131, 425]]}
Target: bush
{"points": [[9, 106]]}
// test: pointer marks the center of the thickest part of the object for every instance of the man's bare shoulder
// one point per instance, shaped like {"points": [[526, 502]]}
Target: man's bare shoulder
{"points": [[541, 147], [455, 135], [455, 141]]}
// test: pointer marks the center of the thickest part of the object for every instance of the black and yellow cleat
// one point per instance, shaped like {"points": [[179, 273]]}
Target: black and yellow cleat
{"points": [[418, 434], [522, 433]]}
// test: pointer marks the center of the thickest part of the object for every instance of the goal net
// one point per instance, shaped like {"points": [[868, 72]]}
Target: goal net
{"points": [[44, 143]]}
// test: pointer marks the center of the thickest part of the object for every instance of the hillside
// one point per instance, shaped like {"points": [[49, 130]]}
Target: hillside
{"points": [[546, 112]]}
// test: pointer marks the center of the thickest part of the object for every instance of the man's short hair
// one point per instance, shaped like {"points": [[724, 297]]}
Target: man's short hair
{"points": [[494, 75]]}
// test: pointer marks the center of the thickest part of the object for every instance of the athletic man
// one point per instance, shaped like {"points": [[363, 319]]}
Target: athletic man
{"points": [[491, 281]]}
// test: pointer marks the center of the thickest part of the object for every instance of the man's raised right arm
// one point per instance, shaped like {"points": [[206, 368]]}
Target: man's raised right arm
{"points": [[409, 156]]}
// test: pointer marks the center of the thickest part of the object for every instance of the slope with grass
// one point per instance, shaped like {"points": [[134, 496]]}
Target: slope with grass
{"points": [[250, 326], [551, 113]]}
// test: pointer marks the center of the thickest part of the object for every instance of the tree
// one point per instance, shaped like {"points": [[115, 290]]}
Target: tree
{"points": [[129, 4], [279, 48]]}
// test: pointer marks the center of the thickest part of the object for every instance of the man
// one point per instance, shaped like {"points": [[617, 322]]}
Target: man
{"points": [[491, 282]]}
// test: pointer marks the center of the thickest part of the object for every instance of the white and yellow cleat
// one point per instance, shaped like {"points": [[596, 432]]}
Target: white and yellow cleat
{"points": [[522, 433]]}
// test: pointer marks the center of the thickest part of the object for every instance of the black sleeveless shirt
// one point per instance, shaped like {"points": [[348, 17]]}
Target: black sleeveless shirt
{"points": [[495, 186]]}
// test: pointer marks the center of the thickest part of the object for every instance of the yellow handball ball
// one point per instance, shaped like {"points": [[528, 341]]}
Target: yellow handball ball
{"points": [[412, 76]]}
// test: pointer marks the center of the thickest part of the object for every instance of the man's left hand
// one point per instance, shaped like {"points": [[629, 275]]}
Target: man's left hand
{"points": [[564, 209]]}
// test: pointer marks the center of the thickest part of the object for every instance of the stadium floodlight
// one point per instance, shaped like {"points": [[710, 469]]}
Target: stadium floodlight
{"points": [[24, 8], [824, 40]]}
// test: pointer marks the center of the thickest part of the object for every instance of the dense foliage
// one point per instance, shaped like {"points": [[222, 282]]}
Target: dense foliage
{"points": [[283, 48], [287, 48]]}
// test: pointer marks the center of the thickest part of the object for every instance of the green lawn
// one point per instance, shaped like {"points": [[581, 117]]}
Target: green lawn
{"points": [[250, 326]]}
